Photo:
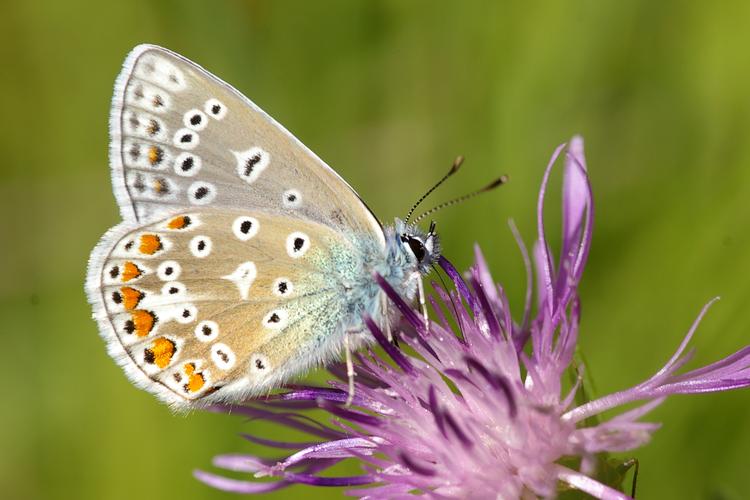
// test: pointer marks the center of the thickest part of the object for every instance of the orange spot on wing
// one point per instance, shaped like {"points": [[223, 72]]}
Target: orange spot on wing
{"points": [[130, 297], [130, 271], [160, 352], [180, 222], [195, 382], [150, 244], [155, 155], [143, 322], [161, 186]]}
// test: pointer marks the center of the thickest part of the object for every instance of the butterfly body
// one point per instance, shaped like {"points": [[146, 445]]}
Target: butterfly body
{"points": [[243, 260]]}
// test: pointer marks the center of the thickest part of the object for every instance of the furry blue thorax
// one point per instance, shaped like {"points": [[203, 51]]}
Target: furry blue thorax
{"points": [[408, 254]]}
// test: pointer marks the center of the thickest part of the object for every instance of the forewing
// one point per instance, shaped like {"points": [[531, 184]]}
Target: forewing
{"points": [[180, 138], [211, 305]]}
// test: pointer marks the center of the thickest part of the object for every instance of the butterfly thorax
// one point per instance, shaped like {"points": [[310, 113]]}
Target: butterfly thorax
{"points": [[408, 254]]}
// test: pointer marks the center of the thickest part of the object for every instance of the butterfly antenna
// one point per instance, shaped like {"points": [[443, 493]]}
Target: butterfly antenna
{"points": [[494, 184], [454, 168]]}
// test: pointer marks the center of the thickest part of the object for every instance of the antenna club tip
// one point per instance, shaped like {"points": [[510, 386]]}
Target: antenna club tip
{"points": [[497, 182], [457, 164]]}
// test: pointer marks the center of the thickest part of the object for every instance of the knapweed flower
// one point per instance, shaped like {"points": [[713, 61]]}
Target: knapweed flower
{"points": [[475, 405]]}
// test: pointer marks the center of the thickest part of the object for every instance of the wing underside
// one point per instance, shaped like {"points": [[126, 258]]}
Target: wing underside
{"points": [[213, 305], [181, 137]]}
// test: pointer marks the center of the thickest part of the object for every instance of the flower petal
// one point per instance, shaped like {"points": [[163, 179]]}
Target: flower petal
{"points": [[588, 485], [237, 486]]}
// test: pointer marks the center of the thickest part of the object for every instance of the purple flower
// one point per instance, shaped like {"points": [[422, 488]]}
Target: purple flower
{"points": [[478, 410]]}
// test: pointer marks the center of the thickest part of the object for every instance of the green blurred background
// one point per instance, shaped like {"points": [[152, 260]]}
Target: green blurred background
{"points": [[389, 93]]}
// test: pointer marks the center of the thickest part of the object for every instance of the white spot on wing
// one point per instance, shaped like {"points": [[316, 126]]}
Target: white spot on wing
{"points": [[243, 277], [201, 193], [297, 244], [160, 72], [291, 198], [222, 356], [187, 164], [195, 119], [207, 331], [168, 270], [186, 313], [186, 139], [201, 246], [215, 109], [245, 227], [251, 163]]}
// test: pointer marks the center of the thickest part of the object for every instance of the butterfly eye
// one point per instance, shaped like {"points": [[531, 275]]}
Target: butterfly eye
{"points": [[417, 248]]}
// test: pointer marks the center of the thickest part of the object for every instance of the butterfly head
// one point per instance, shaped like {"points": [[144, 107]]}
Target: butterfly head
{"points": [[420, 247]]}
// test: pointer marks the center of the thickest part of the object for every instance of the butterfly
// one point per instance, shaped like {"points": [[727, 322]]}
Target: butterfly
{"points": [[243, 260]]}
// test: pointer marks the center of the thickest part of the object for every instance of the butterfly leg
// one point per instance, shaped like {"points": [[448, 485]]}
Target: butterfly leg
{"points": [[350, 373], [423, 302], [384, 314]]}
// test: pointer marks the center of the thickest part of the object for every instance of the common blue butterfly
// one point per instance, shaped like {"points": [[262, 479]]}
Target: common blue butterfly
{"points": [[242, 260]]}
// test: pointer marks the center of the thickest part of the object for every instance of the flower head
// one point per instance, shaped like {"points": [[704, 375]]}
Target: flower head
{"points": [[477, 409]]}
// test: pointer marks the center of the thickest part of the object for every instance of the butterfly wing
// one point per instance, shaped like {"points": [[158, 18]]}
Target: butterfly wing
{"points": [[181, 137], [229, 273], [217, 305]]}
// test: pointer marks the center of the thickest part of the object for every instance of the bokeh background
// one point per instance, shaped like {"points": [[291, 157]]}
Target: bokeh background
{"points": [[388, 93]]}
